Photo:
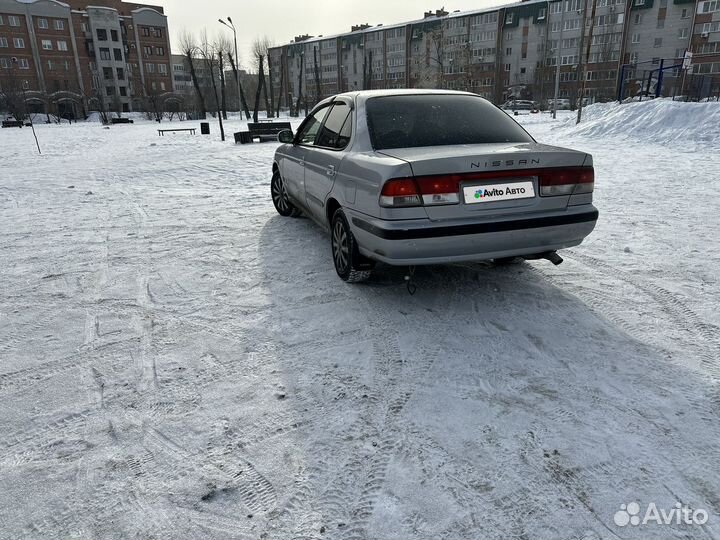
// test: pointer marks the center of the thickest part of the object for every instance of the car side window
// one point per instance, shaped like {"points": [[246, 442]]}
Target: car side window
{"points": [[337, 129], [309, 130]]}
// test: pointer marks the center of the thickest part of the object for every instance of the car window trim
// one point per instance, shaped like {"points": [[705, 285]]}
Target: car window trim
{"points": [[349, 116], [307, 145]]}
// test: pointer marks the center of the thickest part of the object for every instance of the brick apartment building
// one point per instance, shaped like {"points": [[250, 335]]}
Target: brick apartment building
{"points": [[76, 56], [514, 50]]}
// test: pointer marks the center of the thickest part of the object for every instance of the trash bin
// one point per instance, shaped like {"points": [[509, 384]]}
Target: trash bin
{"points": [[205, 128]]}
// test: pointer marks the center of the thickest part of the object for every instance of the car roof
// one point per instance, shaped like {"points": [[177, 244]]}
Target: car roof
{"points": [[401, 92]]}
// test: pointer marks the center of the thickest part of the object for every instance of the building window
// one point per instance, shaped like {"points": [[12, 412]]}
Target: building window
{"points": [[150, 68], [23, 63], [508, 51], [508, 36], [160, 51], [157, 32], [2, 21], [59, 24], [636, 38], [658, 42], [4, 63], [683, 33], [509, 18], [110, 90], [19, 43], [120, 74], [3, 42], [153, 85], [107, 74], [84, 27], [638, 18], [684, 14], [162, 68], [104, 53], [67, 65], [101, 34], [42, 23], [118, 54], [147, 51], [113, 35], [123, 91], [145, 31], [162, 85], [541, 14], [51, 65], [47, 45], [62, 45], [508, 67], [14, 20]]}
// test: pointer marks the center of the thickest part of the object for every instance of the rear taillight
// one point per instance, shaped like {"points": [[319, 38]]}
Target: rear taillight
{"points": [[567, 181], [445, 188], [425, 190], [400, 192]]}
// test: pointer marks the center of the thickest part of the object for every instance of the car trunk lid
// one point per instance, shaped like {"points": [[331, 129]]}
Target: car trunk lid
{"points": [[496, 178]]}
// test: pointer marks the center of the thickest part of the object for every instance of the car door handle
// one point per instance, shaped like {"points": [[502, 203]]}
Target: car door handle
{"points": [[330, 170]]}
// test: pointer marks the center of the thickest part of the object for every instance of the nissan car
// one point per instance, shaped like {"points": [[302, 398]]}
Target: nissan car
{"points": [[417, 177]]}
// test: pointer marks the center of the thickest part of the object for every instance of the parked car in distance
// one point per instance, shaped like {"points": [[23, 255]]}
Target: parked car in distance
{"points": [[563, 104], [413, 177], [521, 106]]}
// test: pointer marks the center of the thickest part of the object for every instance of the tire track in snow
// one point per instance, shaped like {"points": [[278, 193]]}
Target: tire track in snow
{"points": [[705, 343]]}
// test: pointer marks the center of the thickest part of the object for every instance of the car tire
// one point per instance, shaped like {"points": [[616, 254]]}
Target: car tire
{"points": [[280, 198], [350, 266]]}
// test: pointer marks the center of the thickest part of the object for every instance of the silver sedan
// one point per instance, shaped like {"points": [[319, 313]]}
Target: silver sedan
{"points": [[411, 177]]}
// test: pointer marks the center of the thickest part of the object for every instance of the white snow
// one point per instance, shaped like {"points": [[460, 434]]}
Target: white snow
{"points": [[177, 361], [660, 121]]}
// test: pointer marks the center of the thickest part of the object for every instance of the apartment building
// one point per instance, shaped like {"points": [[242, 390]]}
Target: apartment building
{"points": [[74, 56], [515, 50]]}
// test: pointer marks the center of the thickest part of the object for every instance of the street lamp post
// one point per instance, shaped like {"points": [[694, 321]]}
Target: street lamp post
{"points": [[231, 26]]}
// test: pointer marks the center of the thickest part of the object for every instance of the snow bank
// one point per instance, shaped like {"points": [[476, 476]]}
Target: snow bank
{"points": [[661, 121]]}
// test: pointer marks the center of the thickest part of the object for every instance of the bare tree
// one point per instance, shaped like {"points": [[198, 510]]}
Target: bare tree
{"points": [[12, 94], [260, 51], [318, 91], [243, 101], [212, 59], [300, 84], [153, 105], [190, 50]]}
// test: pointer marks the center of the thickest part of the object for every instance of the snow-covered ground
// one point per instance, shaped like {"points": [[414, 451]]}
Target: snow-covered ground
{"points": [[177, 361]]}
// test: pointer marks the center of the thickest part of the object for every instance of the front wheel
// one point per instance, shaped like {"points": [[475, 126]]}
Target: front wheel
{"points": [[349, 264], [280, 198]]}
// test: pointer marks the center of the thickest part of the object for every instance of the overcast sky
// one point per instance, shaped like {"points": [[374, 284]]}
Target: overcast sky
{"points": [[282, 20]]}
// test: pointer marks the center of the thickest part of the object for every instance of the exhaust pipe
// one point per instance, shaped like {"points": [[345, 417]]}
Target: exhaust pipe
{"points": [[553, 257]]}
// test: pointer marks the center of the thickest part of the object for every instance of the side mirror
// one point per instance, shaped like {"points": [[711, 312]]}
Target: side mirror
{"points": [[286, 136]]}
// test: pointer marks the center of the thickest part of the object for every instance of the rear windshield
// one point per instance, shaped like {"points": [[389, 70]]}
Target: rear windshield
{"points": [[438, 120]]}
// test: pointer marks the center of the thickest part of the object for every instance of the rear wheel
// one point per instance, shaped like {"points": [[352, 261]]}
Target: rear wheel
{"points": [[349, 264], [280, 198]]}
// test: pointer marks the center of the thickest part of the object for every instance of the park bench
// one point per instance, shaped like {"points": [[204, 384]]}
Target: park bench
{"points": [[12, 123], [243, 137], [162, 132], [265, 130], [121, 121]]}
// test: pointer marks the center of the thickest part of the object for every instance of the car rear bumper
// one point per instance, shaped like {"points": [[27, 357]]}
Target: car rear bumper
{"points": [[414, 242]]}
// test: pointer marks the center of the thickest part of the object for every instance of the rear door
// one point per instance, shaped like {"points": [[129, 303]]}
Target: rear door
{"points": [[322, 161], [294, 168]]}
